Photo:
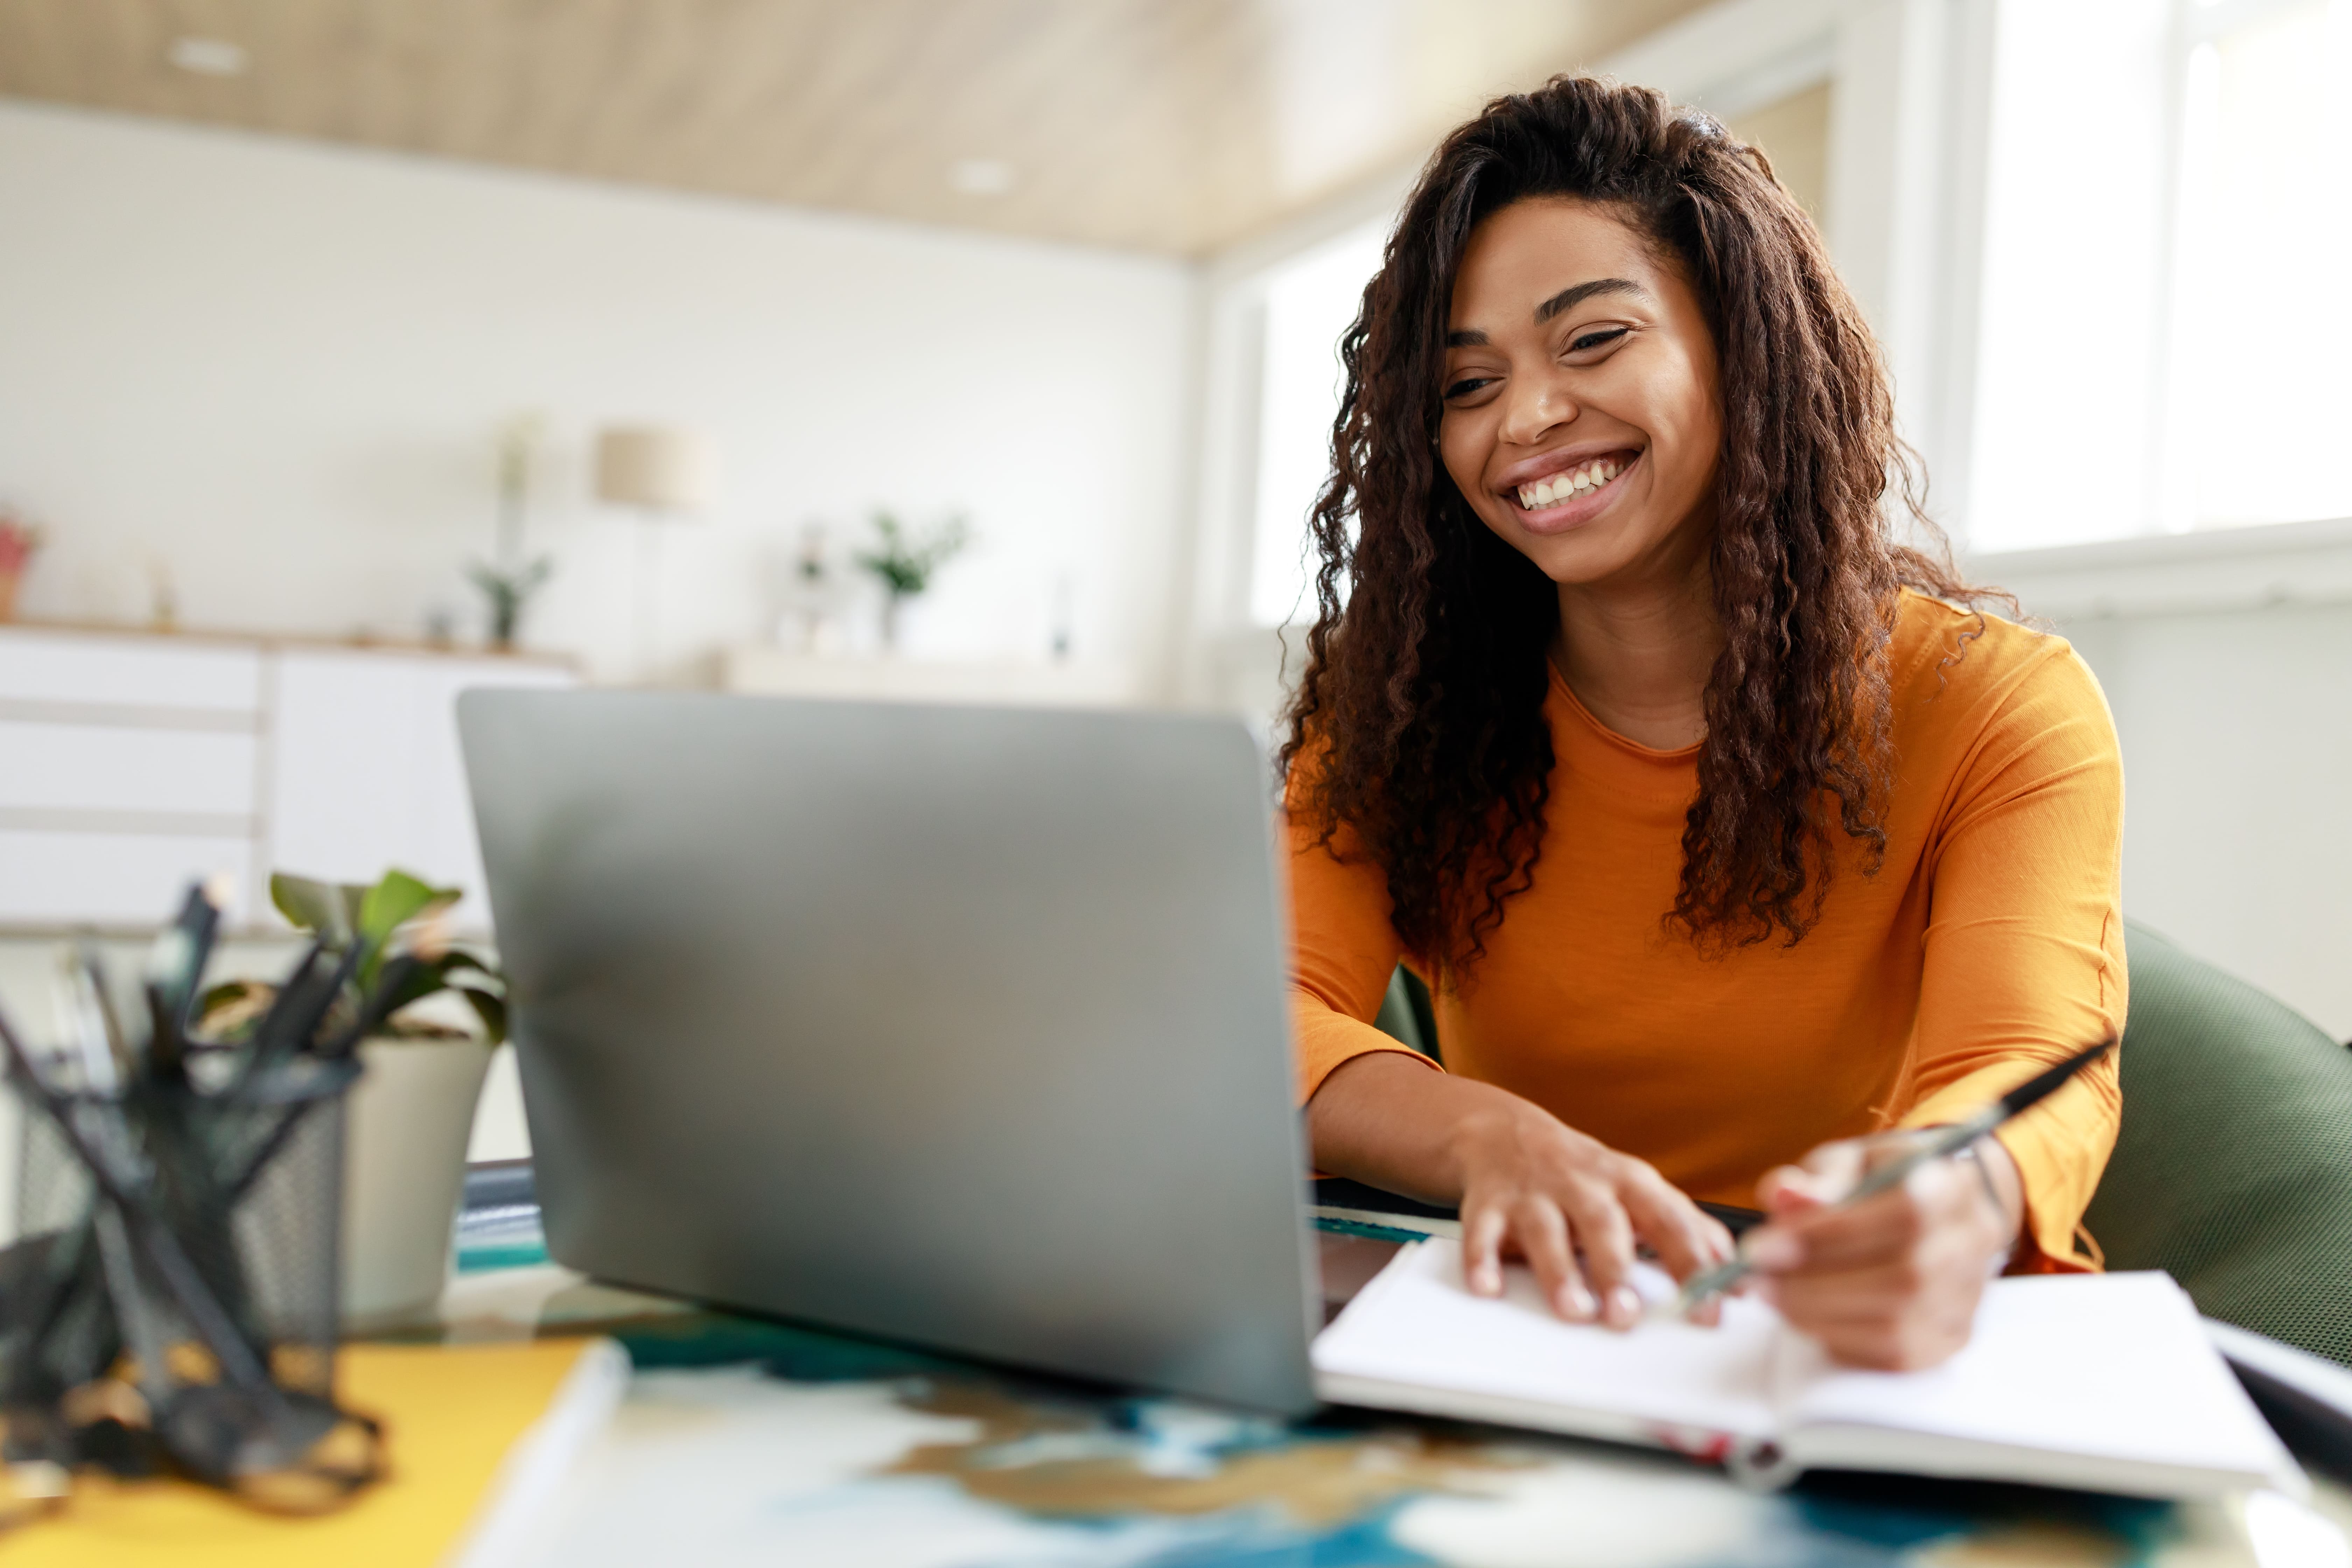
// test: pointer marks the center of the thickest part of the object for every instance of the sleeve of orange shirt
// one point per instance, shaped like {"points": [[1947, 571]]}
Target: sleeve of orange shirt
{"points": [[2025, 958], [1346, 951]]}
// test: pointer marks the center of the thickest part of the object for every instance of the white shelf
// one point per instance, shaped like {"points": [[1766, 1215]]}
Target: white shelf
{"points": [[773, 672]]}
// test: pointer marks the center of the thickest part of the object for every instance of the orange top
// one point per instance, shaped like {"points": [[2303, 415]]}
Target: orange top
{"points": [[1989, 944]]}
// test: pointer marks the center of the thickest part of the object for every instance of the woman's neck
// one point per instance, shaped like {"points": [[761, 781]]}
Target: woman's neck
{"points": [[1637, 653]]}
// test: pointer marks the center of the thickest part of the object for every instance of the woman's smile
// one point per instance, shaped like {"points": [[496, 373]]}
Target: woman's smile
{"points": [[1565, 489]]}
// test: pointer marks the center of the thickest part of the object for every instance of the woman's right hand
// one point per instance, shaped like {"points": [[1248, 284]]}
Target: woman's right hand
{"points": [[1535, 1187], [1528, 1185]]}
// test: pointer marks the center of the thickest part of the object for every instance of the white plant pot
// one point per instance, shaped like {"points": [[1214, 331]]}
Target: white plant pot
{"points": [[405, 1133]]}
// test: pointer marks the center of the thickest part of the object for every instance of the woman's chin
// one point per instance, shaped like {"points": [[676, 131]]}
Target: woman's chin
{"points": [[1593, 552]]}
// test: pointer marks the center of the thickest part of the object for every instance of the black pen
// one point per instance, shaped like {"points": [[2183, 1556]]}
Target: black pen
{"points": [[1934, 1145]]}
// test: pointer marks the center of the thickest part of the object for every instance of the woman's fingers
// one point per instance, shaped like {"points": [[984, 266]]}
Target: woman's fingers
{"points": [[1856, 1294], [1605, 1237], [1543, 1238], [1484, 1226], [1880, 1316], [1685, 1237], [1891, 1281], [1932, 1201]]}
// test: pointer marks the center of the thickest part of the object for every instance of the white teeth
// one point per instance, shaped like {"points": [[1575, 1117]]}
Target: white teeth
{"points": [[1575, 482]]}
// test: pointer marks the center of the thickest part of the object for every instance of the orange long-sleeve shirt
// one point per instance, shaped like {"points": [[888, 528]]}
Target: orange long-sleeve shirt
{"points": [[1989, 944]]}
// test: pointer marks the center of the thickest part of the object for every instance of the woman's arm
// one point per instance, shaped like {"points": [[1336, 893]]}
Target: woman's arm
{"points": [[2022, 966], [1528, 1184]]}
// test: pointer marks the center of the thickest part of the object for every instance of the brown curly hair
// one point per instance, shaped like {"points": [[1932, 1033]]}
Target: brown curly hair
{"points": [[1421, 710]]}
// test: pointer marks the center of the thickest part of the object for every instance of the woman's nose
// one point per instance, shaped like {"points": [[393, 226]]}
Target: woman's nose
{"points": [[1535, 405]]}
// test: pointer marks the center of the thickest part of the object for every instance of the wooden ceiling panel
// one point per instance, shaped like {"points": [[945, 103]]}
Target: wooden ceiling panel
{"points": [[1172, 126]]}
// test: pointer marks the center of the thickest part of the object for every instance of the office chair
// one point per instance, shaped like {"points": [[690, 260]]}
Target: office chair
{"points": [[2233, 1169]]}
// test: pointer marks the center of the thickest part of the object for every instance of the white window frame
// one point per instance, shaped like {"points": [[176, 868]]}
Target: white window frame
{"points": [[2171, 567]]}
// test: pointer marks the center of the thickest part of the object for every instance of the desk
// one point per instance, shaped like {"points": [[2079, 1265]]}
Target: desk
{"points": [[743, 1441]]}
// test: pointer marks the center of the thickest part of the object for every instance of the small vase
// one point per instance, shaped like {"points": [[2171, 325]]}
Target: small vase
{"points": [[9, 582], [406, 1126]]}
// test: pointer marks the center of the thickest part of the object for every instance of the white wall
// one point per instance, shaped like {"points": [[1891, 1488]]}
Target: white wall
{"points": [[2227, 658], [2237, 736], [276, 368]]}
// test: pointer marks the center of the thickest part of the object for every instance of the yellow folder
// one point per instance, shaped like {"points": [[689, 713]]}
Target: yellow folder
{"points": [[450, 1413]]}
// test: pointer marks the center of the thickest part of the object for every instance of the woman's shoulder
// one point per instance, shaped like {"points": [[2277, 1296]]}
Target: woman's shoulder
{"points": [[1958, 664]]}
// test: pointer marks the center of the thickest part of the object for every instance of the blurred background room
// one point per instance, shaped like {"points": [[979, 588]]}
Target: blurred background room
{"points": [[355, 352]]}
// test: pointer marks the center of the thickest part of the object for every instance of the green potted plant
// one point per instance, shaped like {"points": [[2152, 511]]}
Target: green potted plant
{"points": [[408, 1120], [507, 580], [905, 563]]}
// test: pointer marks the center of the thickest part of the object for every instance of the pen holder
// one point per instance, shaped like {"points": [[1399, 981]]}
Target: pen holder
{"points": [[171, 1300]]}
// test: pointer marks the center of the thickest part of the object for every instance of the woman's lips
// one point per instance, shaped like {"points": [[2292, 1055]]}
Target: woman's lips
{"points": [[1551, 517]]}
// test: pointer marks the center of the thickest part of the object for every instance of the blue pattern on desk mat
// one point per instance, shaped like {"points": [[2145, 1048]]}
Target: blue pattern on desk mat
{"points": [[1351, 1487]]}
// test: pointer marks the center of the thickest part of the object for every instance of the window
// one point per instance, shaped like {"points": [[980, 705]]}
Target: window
{"points": [[2261, 335], [1309, 301], [2165, 326]]}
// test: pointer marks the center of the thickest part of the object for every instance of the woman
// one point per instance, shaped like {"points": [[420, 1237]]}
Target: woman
{"points": [[1731, 836]]}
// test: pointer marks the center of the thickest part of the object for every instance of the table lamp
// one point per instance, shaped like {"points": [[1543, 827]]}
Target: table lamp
{"points": [[665, 474]]}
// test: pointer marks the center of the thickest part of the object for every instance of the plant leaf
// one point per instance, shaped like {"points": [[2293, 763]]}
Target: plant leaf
{"points": [[491, 1010], [469, 968], [395, 900], [430, 976], [317, 907], [230, 1012]]}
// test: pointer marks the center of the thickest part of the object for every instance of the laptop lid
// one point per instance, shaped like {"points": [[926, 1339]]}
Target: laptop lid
{"points": [[958, 1025]]}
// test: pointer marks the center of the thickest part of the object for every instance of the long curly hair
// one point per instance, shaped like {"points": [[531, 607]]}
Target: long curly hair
{"points": [[1421, 713]]}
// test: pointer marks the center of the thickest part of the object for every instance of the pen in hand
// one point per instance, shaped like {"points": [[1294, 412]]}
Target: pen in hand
{"points": [[1936, 1144]]}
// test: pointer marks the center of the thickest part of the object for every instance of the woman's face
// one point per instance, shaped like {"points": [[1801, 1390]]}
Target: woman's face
{"points": [[1580, 416]]}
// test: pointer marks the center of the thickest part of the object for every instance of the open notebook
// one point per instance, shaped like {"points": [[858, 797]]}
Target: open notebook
{"points": [[2104, 1383]]}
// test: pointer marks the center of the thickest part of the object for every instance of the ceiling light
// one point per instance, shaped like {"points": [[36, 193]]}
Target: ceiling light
{"points": [[207, 57], [980, 176]]}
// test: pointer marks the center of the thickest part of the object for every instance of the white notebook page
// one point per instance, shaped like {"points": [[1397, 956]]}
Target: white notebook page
{"points": [[1418, 1324], [2108, 1365]]}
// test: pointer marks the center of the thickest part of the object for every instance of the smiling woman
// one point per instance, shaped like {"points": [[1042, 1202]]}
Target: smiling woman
{"points": [[1734, 835]]}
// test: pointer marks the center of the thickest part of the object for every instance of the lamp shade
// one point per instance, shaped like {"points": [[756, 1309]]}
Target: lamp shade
{"points": [[655, 467]]}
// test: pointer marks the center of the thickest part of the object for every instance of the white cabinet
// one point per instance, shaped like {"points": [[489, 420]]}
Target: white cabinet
{"points": [[131, 764], [128, 766], [366, 772], [178, 679]]}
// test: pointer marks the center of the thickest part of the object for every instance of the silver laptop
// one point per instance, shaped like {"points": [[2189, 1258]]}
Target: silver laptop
{"points": [[957, 1026]]}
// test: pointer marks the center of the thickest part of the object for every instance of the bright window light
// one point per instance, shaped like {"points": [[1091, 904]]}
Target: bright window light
{"points": [[2261, 321], [1310, 300], [2165, 324]]}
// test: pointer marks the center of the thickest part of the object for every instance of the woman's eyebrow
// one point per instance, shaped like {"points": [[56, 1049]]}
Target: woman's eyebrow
{"points": [[1569, 298]]}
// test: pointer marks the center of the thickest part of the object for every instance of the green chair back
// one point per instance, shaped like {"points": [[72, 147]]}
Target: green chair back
{"points": [[2233, 1169], [1406, 1015]]}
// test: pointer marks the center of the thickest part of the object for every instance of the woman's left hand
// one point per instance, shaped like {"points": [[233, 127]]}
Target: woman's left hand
{"points": [[1891, 1283]]}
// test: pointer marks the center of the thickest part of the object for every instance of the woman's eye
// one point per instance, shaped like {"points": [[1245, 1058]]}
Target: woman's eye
{"points": [[1467, 385], [1584, 342]]}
